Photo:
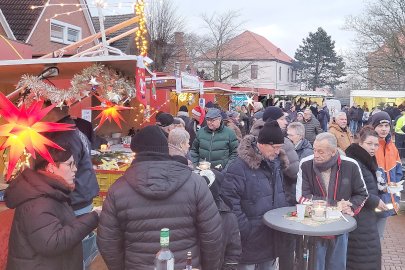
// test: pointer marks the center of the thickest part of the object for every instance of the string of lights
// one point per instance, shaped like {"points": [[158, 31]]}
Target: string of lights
{"points": [[82, 7], [153, 111], [65, 13], [141, 33]]}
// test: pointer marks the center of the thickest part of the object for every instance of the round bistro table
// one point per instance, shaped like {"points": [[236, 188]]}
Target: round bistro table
{"points": [[306, 258]]}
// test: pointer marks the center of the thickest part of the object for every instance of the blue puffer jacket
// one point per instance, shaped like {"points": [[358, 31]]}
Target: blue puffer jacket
{"points": [[253, 186]]}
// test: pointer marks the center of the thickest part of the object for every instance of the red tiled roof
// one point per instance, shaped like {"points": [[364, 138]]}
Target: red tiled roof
{"points": [[251, 46], [20, 16]]}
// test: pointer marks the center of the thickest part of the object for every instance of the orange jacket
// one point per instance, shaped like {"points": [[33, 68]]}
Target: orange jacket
{"points": [[389, 164]]}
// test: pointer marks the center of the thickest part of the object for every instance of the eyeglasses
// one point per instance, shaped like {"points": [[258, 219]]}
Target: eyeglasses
{"points": [[276, 147], [71, 164], [212, 119]]}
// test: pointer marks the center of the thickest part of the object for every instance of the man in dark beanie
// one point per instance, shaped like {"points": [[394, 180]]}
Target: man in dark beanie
{"points": [[252, 186], [290, 174], [183, 114], [158, 192], [273, 112], [389, 164], [165, 122]]}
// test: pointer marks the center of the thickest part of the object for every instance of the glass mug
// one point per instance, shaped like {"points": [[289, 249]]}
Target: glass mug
{"points": [[318, 212]]}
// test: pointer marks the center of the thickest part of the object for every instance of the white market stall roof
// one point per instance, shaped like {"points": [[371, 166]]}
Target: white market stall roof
{"points": [[219, 90], [303, 93], [377, 94], [12, 70]]}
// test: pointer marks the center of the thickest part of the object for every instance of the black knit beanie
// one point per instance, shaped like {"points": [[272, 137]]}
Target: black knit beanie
{"points": [[183, 108], [164, 119], [270, 134], [380, 118], [272, 113], [209, 104], [151, 139]]}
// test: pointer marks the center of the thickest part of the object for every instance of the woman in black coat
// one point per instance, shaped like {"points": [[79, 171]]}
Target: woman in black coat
{"points": [[45, 233], [364, 249]]}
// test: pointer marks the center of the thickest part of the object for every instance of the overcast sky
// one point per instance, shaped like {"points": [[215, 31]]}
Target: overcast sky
{"points": [[284, 22]]}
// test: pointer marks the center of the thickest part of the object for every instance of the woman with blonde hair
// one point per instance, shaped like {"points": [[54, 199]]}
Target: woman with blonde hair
{"points": [[179, 145]]}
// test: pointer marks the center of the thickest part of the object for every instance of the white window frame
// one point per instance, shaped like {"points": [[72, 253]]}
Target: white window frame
{"points": [[65, 27], [235, 71], [254, 72]]}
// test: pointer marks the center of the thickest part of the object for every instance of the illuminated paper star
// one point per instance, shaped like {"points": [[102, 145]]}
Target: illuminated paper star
{"points": [[109, 111], [249, 100], [23, 131]]}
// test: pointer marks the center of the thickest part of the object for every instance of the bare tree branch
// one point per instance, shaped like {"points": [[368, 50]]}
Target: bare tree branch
{"points": [[162, 22], [380, 44]]}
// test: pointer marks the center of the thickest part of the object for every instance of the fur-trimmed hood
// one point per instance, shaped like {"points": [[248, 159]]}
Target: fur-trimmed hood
{"points": [[252, 157], [257, 126]]}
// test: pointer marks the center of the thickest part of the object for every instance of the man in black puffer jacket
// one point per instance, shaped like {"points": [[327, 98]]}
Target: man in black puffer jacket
{"points": [[158, 192], [253, 185]]}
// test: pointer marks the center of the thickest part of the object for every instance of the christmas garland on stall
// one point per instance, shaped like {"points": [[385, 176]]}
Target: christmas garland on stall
{"points": [[97, 79]]}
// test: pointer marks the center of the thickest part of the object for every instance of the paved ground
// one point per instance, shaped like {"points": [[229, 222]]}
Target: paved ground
{"points": [[392, 247], [393, 244]]}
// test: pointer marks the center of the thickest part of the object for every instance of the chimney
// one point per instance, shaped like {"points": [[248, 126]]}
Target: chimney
{"points": [[179, 38]]}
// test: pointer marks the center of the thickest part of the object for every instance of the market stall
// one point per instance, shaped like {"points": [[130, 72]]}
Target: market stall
{"points": [[374, 98], [100, 84]]}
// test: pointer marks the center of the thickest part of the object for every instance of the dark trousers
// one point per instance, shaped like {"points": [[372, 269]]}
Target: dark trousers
{"points": [[400, 144]]}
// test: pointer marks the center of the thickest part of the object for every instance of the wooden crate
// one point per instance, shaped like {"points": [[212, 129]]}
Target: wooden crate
{"points": [[105, 179]]}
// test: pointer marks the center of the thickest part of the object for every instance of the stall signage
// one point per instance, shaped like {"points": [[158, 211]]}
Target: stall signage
{"points": [[86, 115], [201, 102], [238, 100], [190, 81]]}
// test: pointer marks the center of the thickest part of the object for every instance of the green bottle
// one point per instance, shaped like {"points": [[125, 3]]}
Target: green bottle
{"points": [[164, 258]]}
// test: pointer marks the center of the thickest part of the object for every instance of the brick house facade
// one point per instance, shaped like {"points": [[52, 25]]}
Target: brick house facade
{"points": [[44, 32]]}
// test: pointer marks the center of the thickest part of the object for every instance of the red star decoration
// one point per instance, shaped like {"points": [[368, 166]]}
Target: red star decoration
{"points": [[23, 131], [109, 111]]}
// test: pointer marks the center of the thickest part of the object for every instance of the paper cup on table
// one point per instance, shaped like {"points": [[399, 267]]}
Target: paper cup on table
{"points": [[301, 211]]}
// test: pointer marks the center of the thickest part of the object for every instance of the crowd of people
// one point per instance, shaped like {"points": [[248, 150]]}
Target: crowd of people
{"points": [[260, 158]]}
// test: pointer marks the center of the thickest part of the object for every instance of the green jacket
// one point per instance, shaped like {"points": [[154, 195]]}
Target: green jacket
{"points": [[218, 147]]}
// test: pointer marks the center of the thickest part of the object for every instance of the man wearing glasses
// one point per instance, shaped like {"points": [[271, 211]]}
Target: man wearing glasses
{"points": [[214, 143]]}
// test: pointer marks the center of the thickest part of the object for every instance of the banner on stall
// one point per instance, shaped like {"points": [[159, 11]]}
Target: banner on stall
{"points": [[190, 81], [86, 115], [239, 100]]}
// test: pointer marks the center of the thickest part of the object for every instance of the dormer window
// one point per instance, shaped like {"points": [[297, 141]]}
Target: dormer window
{"points": [[65, 33]]}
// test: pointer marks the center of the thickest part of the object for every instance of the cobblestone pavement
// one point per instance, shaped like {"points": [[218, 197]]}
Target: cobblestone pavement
{"points": [[393, 244]]}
